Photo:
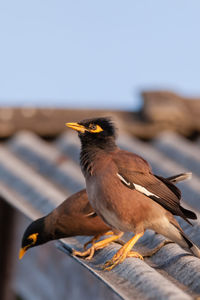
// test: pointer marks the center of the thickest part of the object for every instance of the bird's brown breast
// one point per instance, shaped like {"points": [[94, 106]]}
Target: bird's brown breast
{"points": [[120, 207]]}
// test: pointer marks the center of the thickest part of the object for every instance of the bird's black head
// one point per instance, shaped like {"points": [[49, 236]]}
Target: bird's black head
{"points": [[33, 236], [98, 131]]}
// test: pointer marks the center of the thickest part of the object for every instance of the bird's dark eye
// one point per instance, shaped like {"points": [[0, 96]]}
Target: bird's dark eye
{"points": [[30, 240], [92, 126]]}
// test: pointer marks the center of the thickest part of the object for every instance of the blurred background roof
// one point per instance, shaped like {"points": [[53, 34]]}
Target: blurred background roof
{"points": [[97, 54]]}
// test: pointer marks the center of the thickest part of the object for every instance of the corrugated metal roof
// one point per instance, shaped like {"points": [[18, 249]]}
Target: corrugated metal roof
{"points": [[36, 175]]}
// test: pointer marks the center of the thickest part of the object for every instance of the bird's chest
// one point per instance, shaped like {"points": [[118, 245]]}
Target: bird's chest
{"points": [[104, 196], [96, 194]]}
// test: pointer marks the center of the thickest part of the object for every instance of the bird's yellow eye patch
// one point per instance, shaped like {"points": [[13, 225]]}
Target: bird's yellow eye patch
{"points": [[33, 237], [94, 128]]}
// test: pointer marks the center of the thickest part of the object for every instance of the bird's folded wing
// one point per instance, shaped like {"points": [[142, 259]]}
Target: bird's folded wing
{"points": [[157, 188], [88, 211]]}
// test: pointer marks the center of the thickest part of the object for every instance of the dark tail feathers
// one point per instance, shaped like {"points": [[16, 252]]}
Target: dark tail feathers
{"points": [[188, 213], [180, 177], [193, 248]]}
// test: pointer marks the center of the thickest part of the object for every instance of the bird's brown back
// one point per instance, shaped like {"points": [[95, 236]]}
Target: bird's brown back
{"points": [[74, 217]]}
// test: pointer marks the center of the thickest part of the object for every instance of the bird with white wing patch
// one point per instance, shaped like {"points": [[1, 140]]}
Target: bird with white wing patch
{"points": [[125, 193]]}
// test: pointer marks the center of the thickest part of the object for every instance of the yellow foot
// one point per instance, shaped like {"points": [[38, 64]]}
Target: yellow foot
{"points": [[89, 253], [118, 258], [123, 253]]}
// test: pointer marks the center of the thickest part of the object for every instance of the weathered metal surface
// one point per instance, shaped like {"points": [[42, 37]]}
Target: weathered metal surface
{"points": [[26, 166], [180, 150]]}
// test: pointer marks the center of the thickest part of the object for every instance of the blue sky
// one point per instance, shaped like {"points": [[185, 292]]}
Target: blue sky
{"points": [[97, 53]]}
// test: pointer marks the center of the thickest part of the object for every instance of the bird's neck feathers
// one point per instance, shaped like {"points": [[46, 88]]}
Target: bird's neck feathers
{"points": [[46, 229], [90, 152]]}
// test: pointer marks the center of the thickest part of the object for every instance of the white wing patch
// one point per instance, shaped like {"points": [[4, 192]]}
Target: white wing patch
{"points": [[123, 180], [144, 191], [137, 187], [90, 214]]}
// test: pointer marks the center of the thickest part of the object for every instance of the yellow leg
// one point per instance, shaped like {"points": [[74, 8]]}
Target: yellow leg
{"points": [[124, 252], [89, 253], [96, 238]]}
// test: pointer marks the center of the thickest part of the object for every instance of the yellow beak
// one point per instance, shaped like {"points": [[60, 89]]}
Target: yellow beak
{"points": [[22, 252], [76, 127]]}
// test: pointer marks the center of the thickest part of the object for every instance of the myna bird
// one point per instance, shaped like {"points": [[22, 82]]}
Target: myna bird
{"points": [[125, 193], [73, 217]]}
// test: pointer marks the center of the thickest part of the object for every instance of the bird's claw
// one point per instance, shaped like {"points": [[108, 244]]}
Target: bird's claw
{"points": [[92, 241], [135, 254], [88, 254], [119, 257]]}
